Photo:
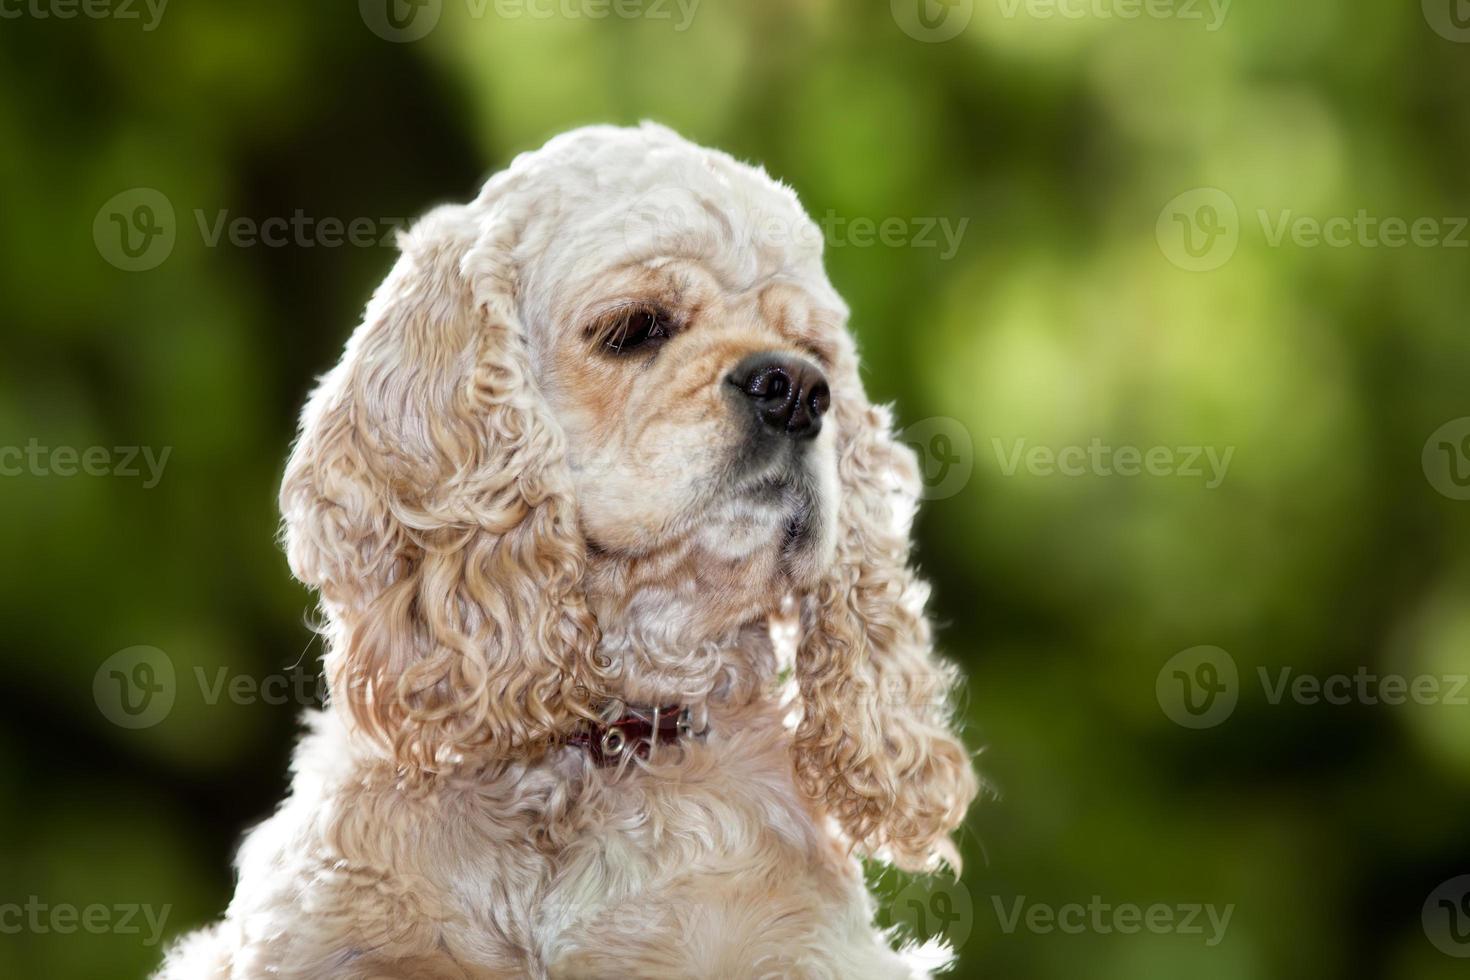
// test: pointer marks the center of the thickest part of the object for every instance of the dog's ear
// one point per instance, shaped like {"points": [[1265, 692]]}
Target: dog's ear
{"points": [[427, 499], [875, 742]]}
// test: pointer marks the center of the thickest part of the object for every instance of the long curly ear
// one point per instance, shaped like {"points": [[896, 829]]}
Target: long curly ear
{"points": [[428, 500], [875, 742]]}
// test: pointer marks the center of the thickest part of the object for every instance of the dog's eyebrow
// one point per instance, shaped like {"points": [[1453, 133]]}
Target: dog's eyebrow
{"points": [[599, 319], [823, 352], [639, 284], [807, 328], [675, 282]]}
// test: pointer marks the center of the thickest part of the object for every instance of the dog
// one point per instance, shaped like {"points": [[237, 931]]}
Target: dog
{"points": [[628, 664]]}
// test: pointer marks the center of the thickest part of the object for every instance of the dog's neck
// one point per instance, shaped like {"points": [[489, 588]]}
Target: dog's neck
{"points": [[694, 632], [646, 668]]}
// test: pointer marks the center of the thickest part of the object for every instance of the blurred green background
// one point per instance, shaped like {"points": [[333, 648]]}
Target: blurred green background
{"points": [[1086, 303]]}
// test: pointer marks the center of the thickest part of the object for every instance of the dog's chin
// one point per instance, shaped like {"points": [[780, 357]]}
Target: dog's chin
{"points": [[738, 574], [805, 544], [799, 525]]}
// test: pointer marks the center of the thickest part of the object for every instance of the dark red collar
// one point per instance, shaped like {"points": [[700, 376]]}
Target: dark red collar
{"points": [[635, 729]]}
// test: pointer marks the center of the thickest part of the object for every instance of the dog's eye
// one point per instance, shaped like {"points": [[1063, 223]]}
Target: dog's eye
{"points": [[636, 328]]}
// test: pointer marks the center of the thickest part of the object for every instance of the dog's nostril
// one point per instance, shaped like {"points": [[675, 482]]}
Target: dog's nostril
{"points": [[768, 385], [821, 399]]}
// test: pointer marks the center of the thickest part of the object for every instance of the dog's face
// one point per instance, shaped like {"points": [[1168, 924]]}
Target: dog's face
{"points": [[697, 412], [686, 340], [694, 416]]}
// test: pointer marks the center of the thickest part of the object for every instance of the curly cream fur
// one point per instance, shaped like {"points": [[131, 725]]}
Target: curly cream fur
{"points": [[875, 740], [506, 525], [425, 500]]}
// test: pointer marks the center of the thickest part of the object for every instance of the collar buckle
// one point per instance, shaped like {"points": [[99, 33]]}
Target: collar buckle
{"points": [[634, 730]]}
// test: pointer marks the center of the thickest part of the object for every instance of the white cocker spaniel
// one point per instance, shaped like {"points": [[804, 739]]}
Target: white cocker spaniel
{"points": [[627, 661]]}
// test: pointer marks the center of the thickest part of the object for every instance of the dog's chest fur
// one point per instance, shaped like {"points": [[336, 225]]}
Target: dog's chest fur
{"points": [[706, 862]]}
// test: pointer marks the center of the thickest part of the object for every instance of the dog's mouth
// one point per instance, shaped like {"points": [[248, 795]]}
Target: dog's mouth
{"points": [[796, 531], [801, 528], [802, 553], [786, 496]]}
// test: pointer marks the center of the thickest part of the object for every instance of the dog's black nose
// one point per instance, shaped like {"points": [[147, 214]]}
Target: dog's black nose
{"points": [[790, 394]]}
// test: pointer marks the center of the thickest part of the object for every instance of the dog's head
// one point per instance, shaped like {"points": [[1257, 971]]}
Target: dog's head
{"points": [[615, 396], [690, 349]]}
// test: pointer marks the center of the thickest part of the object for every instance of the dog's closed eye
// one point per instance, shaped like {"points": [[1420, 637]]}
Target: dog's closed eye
{"points": [[633, 328]]}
